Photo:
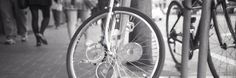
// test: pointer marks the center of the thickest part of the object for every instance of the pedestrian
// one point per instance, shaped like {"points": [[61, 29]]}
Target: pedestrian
{"points": [[100, 6], [44, 6], [57, 13], [76, 10], [14, 21]]}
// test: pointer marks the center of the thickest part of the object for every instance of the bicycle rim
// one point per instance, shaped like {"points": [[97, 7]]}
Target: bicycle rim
{"points": [[174, 29], [135, 59]]}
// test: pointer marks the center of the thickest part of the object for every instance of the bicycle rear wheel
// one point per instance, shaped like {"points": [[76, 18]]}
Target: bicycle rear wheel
{"points": [[91, 57], [222, 44], [174, 30]]}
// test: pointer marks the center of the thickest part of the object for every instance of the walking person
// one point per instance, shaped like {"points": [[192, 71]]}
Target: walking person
{"points": [[57, 13], [75, 10], [14, 21], [57, 16], [44, 6]]}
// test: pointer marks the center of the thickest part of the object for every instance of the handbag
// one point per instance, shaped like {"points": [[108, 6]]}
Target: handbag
{"points": [[23, 4]]}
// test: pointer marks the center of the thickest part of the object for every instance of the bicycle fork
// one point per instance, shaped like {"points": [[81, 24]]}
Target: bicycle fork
{"points": [[108, 19]]}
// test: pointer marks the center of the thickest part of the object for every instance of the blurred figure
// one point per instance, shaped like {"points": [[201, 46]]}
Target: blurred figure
{"points": [[14, 21], [44, 6], [57, 13], [100, 6], [75, 10]]}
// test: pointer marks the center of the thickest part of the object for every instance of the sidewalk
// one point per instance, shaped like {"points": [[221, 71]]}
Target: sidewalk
{"points": [[25, 60]]}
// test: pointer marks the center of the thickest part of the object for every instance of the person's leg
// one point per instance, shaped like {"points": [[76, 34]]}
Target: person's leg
{"points": [[46, 18], [34, 12], [71, 16], [44, 24], [6, 10], [20, 16], [57, 17]]}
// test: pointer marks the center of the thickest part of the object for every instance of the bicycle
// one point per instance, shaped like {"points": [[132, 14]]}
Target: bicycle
{"points": [[222, 39], [116, 49]]}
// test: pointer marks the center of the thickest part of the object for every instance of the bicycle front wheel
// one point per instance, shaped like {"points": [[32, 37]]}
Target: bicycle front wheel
{"points": [[134, 49]]}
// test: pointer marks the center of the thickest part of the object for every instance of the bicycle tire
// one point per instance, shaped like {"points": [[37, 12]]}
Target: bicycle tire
{"points": [[221, 42], [174, 34], [103, 63]]}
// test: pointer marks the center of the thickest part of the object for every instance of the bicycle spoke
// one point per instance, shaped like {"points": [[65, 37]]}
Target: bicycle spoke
{"points": [[130, 71], [139, 68], [145, 41], [135, 38]]}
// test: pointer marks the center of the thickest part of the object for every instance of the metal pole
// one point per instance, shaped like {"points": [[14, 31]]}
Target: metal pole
{"points": [[186, 39], [204, 38]]}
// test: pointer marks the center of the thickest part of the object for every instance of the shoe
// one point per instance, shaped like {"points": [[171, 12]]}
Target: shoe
{"points": [[24, 38], [10, 41], [42, 39]]}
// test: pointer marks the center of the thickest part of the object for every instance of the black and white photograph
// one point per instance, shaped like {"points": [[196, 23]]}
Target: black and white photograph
{"points": [[117, 39]]}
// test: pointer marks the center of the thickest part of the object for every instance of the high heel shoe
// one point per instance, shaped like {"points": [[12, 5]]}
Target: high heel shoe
{"points": [[42, 39]]}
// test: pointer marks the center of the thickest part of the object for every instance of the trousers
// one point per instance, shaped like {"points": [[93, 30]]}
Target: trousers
{"points": [[13, 18], [35, 19]]}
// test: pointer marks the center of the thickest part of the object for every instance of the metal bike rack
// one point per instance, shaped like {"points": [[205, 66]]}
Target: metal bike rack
{"points": [[186, 38], [204, 38], [203, 51]]}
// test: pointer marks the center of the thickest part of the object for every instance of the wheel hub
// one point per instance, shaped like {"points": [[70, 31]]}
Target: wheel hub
{"points": [[95, 53], [130, 52]]}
